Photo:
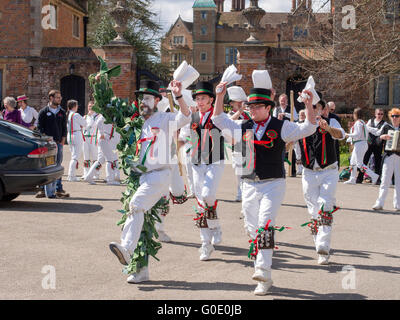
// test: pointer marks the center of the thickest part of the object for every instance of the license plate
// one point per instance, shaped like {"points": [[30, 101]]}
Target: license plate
{"points": [[50, 161]]}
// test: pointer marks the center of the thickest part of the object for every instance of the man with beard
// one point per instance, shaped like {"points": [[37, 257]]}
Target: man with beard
{"points": [[154, 155]]}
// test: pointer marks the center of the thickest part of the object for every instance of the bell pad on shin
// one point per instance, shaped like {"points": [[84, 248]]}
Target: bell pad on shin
{"points": [[315, 223], [325, 218], [265, 239], [211, 213], [201, 221]]}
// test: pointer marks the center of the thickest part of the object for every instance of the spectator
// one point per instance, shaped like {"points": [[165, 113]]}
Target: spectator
{"points": [[29, 115], [11, 114], [53, 122], [375, 144], [283, 110], [332, 115]]}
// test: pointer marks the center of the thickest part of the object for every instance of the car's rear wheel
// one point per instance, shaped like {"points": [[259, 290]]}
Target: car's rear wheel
{"points": [[9, 197]]}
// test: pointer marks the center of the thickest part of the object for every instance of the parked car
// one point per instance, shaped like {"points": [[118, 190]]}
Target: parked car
{"points": [[27, 160]]}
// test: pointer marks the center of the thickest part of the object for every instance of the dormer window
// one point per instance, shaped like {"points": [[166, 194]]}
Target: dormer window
{"points": [[179, 39]]}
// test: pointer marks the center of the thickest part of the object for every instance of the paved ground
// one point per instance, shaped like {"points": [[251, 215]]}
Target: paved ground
{"points": [[72, 236]]}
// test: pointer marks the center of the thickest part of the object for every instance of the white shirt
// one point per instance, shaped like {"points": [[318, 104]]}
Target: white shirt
{"points": [[104, 129], [375, 131], [358, 132], [29, 114], [279, 110], [291, 131], [91, 128], [160, 128], [78, 122]]}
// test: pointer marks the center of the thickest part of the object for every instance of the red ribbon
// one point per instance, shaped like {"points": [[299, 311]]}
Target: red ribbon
{"points": [[261, 123], [305, 151]]}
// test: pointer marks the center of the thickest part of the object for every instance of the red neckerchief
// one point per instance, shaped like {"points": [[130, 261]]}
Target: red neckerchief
{"points": [[261, 123], [204, 113]]}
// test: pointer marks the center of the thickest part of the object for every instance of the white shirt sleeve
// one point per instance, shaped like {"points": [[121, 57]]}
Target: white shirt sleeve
{"points": [[358, 131], [335, 124], [35, 116], [292, 131], [228, 126], [180, 118]]}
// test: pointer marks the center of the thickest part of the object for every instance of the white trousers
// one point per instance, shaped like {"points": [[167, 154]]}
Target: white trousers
{"points": [[261, 202], [189, 168], [206, 179], [90, 152], [177, 185], [76, 146], [357, 160], [319, 189], [152, 188], [390, 165]]}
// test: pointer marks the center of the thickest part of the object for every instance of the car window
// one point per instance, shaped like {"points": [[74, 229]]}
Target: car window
{"points": [[18, 128]]}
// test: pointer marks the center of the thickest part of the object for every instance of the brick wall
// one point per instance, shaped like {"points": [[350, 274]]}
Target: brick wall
{"points": [[62, 36], [15, 28]]}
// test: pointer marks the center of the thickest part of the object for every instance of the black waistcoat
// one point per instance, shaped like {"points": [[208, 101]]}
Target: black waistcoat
{"points": [[269, 157], [374, 140], [208, 144], [319, 147]]}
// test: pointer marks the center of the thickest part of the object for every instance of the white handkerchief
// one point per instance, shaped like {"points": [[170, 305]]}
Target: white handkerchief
{"points": [[310, 85], [186, 74], [230, 75]]}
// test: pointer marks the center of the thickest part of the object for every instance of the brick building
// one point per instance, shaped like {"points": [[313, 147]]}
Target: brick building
{"points": [[216, 39], [43, 47]]}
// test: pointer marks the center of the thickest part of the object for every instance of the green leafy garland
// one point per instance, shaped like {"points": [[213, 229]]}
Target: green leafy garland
{"points": [[128, 124]]}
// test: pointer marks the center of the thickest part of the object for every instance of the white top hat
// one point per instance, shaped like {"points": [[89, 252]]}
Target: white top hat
{"points": [[237, 94], [261, 79]]}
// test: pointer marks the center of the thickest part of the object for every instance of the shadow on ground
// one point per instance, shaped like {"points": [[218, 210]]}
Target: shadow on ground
{"points": [[53, 205]]}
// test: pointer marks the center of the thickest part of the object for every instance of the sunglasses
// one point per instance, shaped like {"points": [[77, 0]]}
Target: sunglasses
{"points": [[395, 115]]}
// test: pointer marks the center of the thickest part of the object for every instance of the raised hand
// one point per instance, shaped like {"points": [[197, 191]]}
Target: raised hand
{"points": [[176, 88]]}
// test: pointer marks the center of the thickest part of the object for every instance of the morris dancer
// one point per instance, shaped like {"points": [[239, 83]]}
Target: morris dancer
{"points": [[75, 137], [320, 178], [154, 155], [90, 144], [263, 148], [391, 164], [108, 139], [208, 165], [237, 100], [358, 138]]}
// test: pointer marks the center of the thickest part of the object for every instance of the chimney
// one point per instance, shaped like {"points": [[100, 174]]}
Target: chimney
{"points": [[238, 5]]}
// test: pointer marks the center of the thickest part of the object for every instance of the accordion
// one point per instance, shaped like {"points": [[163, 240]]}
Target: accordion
{"points": [[394, 143]]}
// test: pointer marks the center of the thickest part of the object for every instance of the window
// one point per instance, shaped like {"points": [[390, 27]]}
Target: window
{"points": [[203, 30], [392, 9], [381, 94], [179, 39], [396, 90], [176, 59], [75, 26], [203, 56], [231, 55], [387, 91], [204, 15]]}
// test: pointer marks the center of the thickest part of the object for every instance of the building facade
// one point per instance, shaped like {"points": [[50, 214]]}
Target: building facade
{"points": [[43, 47], [215, 38]]}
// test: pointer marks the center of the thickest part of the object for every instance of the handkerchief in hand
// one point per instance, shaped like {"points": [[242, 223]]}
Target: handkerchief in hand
{"points": [[186, 74], [230, 75], [311, 87]]}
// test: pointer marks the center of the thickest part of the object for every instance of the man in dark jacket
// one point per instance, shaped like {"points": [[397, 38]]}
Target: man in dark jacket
{"points": [[53, 122]]}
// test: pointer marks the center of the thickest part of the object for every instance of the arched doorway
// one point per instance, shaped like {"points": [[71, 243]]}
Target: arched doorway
{"points": [[73, 87], [296, 83]]}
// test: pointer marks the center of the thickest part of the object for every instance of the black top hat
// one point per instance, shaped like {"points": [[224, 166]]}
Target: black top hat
{"points": [[260, 95], [149, 87], [163, 87], [203, 87]]}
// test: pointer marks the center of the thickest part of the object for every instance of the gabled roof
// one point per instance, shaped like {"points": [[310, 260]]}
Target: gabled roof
{"points": [[204, 4], [187, 24]]}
